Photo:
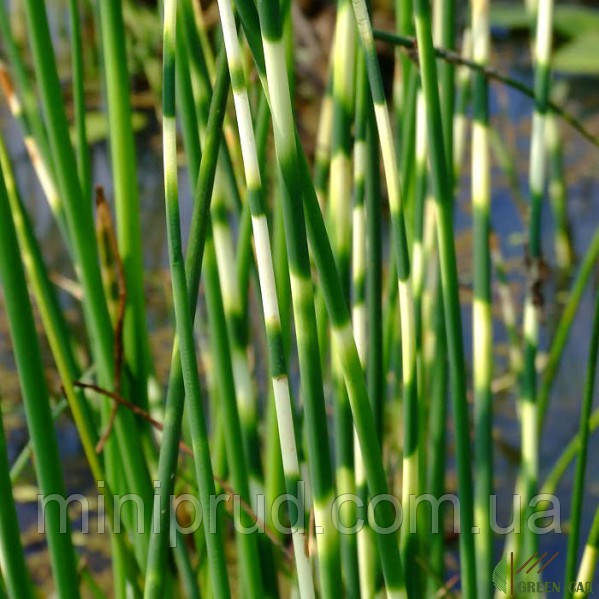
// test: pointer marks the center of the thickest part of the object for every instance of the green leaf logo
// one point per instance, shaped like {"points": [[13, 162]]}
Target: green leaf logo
{"points": [[500, 576]]}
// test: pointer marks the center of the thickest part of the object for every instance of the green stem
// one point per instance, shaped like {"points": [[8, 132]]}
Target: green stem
{"points": [[37, 406], [449, 279], [126, 196], [482, 320], [83, 156], [12, 557], [578, 488], [183, 362]]}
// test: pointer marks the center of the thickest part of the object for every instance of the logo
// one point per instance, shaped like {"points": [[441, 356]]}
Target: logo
{"points": [[509, 578]]}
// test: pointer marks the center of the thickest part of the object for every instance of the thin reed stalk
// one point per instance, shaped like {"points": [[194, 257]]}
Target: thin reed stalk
{"points": [[443, 194], [583, 434], [187, 361], [126, 195], [270, 303], [12, 557], [534, 296], [340, 230], [588, 563], [482, 320], [36, 402], [301, 287], [82, 147]]}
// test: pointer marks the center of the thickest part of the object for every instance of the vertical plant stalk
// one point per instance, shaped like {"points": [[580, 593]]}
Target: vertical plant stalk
{"points": [[446, 34], [83, 156], [482, 320], [245, 391], [169, 449], [586, 572], [270, 304], [51, 316], [126, 196], [340, 227], [365, 543], [12, 557], [534, 299], [37, 407], [245, 530], [578, 488], [29, 113], [460, 116], [302, 294], [449, 279], [391, 167], [80, 224], [291, 156], [188, 363]]}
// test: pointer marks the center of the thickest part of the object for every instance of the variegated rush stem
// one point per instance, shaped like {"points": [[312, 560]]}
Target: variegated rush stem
{"points": [[270, 304], [187, 362], [482, 322], [460, 116], [360, 322], [588, 563], [297, 176], [449, 277], [340, 232], [302, 296], [169, 449], [534, 299]]}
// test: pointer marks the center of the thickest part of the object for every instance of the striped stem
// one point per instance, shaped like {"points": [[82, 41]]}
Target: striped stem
{"points": [[366, 551], [586, 571], [245, 532], [270, 303], [302, 295], [322, 150], [482, 321], [460, 116], [449, 279], [446, 35], [410, 463], [245, 391], [186, 364], [340, 227], [533, 301]]}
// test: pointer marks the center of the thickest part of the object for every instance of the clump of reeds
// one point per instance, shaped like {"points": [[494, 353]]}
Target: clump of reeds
{"points": [[290, 262]]}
